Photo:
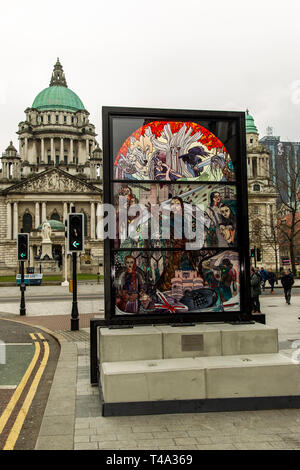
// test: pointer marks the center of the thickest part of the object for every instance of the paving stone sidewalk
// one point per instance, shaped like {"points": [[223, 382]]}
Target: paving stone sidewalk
{"points": [[80, 426]]}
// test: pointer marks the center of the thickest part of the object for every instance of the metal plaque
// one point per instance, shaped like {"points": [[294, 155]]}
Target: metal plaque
{"points": [[192, 343]]}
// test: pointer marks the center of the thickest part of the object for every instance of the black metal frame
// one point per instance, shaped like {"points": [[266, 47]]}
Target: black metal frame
{"points": [[210, 120]]}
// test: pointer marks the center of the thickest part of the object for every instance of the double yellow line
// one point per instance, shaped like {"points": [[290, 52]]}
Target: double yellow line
{"points": [[16, 429]]}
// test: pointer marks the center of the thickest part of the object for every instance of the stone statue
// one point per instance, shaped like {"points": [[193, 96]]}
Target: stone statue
{"points": [[46, 231]]}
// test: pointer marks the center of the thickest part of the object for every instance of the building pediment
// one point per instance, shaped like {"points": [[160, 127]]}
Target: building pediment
{"points": [[53, 181]]}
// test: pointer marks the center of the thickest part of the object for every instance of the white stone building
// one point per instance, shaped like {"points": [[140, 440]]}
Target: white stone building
{"points": [[59, 165], [262, 198]]}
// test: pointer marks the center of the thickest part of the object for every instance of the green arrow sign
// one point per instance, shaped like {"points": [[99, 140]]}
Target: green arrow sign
{"points": [[75, 244], [22, 255]]}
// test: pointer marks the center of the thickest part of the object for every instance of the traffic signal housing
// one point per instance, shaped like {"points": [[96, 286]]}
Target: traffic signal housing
{"points": [[252, 252], [23, 247], [75, 231], [258, 254]]}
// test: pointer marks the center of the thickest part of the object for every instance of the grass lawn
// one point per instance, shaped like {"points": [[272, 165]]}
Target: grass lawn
{"points": [[53, 277]]}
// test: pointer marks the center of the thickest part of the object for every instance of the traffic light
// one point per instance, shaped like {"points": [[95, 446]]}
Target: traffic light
{"points": [[23, 247], [252, 253], [75, 232], [258, 254]]}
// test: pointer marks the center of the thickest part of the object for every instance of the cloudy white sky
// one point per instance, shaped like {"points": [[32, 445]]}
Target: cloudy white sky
{"points": [[183, 54]]}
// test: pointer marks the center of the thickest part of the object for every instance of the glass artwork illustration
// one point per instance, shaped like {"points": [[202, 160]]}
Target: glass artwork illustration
{"points": [[146, 215], [173, 151], [175, 282]]}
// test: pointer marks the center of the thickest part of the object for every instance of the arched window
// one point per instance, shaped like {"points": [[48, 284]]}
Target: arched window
{"points": [[256, 187], [27, 222]]}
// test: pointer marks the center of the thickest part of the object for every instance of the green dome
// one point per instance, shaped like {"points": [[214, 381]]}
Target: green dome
{"points": [[55, 225], [250, 126], [58, 97]]}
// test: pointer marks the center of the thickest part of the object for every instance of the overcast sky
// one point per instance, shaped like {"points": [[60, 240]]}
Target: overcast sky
{"points": [[182, 54]]}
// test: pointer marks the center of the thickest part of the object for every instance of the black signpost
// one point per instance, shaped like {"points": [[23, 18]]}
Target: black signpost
{"points": [[22, 256], [75, 244]]}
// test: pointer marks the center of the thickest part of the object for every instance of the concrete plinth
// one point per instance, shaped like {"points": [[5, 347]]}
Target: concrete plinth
{"points": [[133, 344], [46, 250], [194, 341], [249, 339], [265, 375], [169, 379], [201, 363], [48, 266]]}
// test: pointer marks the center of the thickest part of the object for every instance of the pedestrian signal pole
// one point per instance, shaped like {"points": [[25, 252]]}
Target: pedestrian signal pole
{"points": [[75, 245], [22, 256], [253, 255]]}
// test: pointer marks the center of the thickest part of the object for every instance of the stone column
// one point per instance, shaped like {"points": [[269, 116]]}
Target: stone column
{"points": [[260, 166], [31, 257], [266, 172], [44, 214], [251, 168], [42, 150], [8, 219], [26, 149], [92, 172], [37, 215], [52, 149], [92, 220], [71, 151], [65, 211], [16, 218], [99, 219], [61, 156], [87, 147]]}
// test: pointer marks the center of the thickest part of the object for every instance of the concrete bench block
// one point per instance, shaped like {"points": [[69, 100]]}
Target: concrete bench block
{"points": [[248, 339], [191, 341], [168, 379], [251, 376], [133, 344]]}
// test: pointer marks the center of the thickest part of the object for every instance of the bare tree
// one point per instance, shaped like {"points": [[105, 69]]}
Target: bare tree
{"points": [[269, 234], [286, 178]]}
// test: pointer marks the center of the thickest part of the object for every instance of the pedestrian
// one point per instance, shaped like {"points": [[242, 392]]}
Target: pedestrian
{"points": [[272, 279], [287, 282], [264, 275], [255, 290]]}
